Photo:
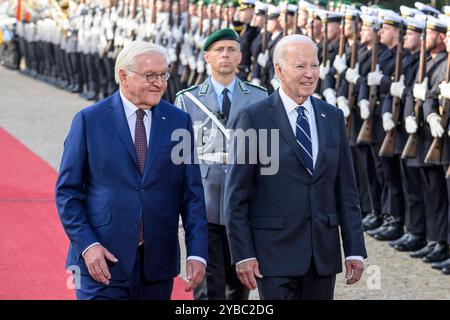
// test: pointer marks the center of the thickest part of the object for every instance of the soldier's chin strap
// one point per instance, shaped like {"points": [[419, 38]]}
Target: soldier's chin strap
{"points": [[209, 114]]}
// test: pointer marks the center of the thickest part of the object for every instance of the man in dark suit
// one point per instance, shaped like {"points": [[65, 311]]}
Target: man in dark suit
{"points": [[120, 191], [285, 225]]}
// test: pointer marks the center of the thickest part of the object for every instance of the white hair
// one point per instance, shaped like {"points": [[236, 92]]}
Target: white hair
{"points": [[127, 56], [285, 42]]}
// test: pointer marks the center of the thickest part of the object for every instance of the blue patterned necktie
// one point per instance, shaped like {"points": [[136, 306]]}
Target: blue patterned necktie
{"points": [[303, 136], [140, 144]]}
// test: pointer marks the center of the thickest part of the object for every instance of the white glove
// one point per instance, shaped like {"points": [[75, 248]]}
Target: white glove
{"points": [[275, 83], [330, 96], [397, 88], [200, 66], [317, 96], [352, 75], [388, 123], [342, 103], [324, 69], [434, 120], [256, 81], [374, 77], [263, 58], [411, 124], [445, 89], [364, 110], [420, 89], [340, 63]]}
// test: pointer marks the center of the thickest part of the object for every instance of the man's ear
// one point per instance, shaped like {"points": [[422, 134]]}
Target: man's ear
{"points": [[279, 71], [240, 57], [123, 77], [206, 56]]}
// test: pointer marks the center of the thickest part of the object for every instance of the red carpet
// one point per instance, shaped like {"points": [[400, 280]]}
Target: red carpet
{"points": [[33, 244]]}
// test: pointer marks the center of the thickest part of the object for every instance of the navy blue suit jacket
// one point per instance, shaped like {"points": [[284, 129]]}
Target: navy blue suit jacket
{"points": [[101, 195], [287, 219]]}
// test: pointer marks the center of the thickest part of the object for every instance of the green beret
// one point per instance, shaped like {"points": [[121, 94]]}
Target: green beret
{"points": [[222, 34]]}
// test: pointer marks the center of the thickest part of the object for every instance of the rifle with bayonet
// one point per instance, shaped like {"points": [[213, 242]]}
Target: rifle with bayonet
{"points": [[341, 51], [435, 151], [263, 76], [197, 52], [366, 131], [388, 146], [351, 94], [324, 50], [410, 149], [202, 72], [186, 51]]}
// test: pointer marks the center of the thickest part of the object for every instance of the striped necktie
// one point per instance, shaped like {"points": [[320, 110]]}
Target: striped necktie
{"points": [[140, 144], [303, 136]]}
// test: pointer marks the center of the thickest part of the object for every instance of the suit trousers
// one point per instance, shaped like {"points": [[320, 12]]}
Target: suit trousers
{"points": [[134, 288], [310, 286], [221, 281]]}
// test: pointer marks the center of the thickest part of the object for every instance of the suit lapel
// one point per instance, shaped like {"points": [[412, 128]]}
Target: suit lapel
{"points": [[157, 132], [117, 114], [321, 118], [279, 117]]}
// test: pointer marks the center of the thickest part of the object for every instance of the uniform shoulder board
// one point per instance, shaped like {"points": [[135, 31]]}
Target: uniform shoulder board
{"points": [[186, 90], [255, 86]]}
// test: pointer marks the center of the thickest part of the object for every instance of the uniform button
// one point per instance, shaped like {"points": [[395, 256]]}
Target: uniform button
{"points": [[205, 128], [142, 191], [225, 170]]}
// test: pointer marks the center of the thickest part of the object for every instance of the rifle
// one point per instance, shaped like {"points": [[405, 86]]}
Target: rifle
{"points": [[410, 149], [388, 146], [341, 51], [434, 153], [264, 45], [285, 31], [194, 74], [228, 15], [351, 94], [366, 132], [324, 50], [174, 67], [187, 70], [201, 76], [153, 21], [220, 14], [211, 17]]}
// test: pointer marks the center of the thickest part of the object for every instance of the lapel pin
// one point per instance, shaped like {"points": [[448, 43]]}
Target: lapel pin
{"points": [[164, 118], [323, 115]]}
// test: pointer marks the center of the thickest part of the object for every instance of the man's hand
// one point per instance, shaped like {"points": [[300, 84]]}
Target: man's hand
{"points": [[340, 63], [195, 271], [420, 89], [324, 70], [352, 74], [445, 89], [246, 272], [354, 270], [374, 78], [95, 259]]}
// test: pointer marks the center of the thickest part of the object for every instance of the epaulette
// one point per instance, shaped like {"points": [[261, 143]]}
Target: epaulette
{"points": [[255, 86], [186, 90]]}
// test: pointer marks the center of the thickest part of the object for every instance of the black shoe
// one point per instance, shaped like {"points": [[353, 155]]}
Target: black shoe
{"points": [[441, 265], [424, 251], [439, 253], [413, 243], [372, 222], [446, 270], [392, 232], [404, 237], [377, 230]]}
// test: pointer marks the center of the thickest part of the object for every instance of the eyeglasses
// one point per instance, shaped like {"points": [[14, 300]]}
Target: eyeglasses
{"points": [[152, 77]]}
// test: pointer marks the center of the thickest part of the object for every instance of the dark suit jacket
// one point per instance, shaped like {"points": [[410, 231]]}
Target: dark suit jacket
{"points": [[101, 195], [286, 219]]}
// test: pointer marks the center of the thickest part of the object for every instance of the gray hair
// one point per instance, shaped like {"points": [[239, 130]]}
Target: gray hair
{"points": [[285, 42], [127, 56]]}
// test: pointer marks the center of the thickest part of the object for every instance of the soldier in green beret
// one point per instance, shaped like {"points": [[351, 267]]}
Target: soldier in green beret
{"points": [[212, 106]]}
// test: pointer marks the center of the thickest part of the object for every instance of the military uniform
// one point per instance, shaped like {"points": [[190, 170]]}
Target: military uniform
{"points": [[213, 176]]}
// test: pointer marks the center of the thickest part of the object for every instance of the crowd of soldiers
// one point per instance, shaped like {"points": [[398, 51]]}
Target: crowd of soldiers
{"points": [[388, 72]]}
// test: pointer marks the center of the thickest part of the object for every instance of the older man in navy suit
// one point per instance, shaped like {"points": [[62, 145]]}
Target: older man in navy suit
{"points": [[283, 225], [120, 192]]}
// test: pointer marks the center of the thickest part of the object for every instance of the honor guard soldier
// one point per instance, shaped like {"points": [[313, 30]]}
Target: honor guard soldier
{"points": [[212, 106]]}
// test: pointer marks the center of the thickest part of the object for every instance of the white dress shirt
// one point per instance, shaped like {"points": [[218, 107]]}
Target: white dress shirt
{"points": [[130, 113], [289, 107]]}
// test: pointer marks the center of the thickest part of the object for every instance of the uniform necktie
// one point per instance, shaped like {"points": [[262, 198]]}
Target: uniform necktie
{"points": [[140, 144], [226, 103], [303, 136]]}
